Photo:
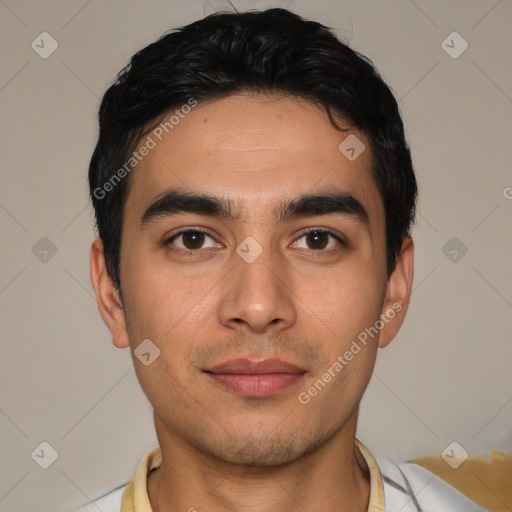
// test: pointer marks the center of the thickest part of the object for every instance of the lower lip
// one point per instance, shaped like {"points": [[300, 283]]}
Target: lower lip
{"points": [[259, 385]]}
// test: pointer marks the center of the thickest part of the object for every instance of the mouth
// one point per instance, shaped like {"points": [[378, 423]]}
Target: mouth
{"points": [[256, 378]]}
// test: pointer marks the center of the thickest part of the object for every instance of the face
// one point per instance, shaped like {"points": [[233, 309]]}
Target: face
{"points": [[253, 258]]}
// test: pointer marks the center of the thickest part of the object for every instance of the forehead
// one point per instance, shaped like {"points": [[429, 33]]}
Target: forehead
{"points": [[255, 149]]}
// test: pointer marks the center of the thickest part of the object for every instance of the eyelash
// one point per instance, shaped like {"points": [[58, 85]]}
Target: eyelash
{"points": [[169, 241], [341, 240]]}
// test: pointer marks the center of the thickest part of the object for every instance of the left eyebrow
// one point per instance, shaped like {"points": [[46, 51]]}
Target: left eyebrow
{"points": [[175, 202], [324, 204]]}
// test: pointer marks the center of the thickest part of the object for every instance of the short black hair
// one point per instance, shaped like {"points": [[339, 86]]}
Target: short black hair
{"points": [[270, 51]]}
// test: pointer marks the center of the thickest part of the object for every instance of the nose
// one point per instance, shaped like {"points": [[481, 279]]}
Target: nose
{"points": [[258, 296]]}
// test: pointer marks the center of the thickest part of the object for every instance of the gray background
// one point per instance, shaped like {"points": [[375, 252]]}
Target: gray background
{"points": [[445, 378]]}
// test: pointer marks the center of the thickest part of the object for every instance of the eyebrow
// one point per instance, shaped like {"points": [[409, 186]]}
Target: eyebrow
{"points": [[175, 202]]}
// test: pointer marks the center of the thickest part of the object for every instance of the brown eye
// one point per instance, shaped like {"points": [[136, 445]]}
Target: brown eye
{"points": [[192, 240], [317, 239]]}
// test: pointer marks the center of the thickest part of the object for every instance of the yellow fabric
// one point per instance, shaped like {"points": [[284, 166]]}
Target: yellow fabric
{"points": [[486, 482], [376, 503], [135, 496]]}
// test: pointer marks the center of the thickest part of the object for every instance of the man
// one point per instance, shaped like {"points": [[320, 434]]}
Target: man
{"points": [[254, 194]]}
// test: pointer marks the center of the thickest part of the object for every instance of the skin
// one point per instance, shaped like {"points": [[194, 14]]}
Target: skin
{"points": [[297, 302]]}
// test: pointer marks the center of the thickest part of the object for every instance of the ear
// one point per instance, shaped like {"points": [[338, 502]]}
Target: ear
{"points": [[109, 302], [398, 294]]}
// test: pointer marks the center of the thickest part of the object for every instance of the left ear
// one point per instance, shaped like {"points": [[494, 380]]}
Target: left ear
{"points": [[398, 294]]}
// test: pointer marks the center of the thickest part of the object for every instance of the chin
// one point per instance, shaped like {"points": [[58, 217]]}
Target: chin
{"points": [[263, 450]]}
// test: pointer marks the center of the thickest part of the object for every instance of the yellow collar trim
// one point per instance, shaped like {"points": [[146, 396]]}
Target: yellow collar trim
{"points": [[136, 499]]}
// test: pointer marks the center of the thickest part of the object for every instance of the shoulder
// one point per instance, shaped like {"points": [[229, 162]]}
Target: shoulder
{"points": [[410, 488]]}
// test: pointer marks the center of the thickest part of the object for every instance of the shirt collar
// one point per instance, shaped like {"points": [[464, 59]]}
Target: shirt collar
{"points": [[136, 499], [376, 503]]}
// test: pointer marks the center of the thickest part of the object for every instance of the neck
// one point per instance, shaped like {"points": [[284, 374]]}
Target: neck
{"points": [[331, 477]]}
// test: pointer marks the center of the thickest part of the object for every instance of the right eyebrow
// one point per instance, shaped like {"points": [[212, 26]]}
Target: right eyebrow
{"points": [[175, 202]]}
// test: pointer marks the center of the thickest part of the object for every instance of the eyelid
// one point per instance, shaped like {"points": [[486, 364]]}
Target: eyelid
{"points": [[187, 230], [339, 237], [170, 238]]}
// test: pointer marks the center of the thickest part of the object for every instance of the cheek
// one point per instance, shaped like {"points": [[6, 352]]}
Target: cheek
{"points": [[170, 308], [341, 304], [349, 307], [151, 285]]}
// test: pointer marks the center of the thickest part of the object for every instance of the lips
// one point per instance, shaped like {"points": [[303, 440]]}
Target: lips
{"points": [[248, 367], [256, 378]]}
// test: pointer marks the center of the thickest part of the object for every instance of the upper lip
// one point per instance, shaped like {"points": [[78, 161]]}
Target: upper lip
{"points": [[248, 367]]}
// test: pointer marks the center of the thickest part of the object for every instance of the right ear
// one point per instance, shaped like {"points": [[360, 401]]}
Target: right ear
{"points": [[109, 302]]}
